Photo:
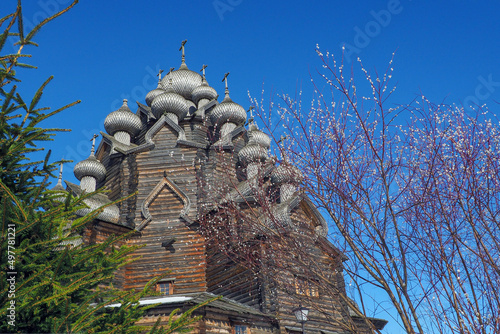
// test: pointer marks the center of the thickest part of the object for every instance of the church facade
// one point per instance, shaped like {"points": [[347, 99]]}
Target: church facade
{"points": [[214, 214]]}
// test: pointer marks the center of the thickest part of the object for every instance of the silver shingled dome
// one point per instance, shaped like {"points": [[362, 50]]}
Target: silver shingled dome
{"points": [[203, 92], [123, 119], [184, 81], [286, 173], [170, 102], [90, 167], [154, 93], [252, 153], [258, 137], [228, 111]]}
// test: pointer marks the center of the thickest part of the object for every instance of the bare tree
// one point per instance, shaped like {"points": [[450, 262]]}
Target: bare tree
{"points": [[411, 194], [250, 217]]}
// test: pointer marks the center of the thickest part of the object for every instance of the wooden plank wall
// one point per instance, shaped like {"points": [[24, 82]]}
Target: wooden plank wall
{"points": [[234, 281], [185, 260], [327, 311]]}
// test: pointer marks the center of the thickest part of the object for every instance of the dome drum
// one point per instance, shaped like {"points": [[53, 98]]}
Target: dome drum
{"points": [[253, 171], [123, 137], [88, 183]]}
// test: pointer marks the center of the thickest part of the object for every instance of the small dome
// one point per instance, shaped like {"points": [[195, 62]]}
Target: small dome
{"points": [[170, 102], [90, 167], [184, 81], [286, 173], [258, 137], [154, 93], [228, 111], [123, 119], [252, 153], [204, 91], [59, 187]]}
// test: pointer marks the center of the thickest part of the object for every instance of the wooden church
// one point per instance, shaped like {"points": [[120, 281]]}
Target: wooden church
{"points": [[216, 214]]}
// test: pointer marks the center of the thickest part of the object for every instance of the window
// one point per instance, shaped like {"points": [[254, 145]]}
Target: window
{"points": [[240, 329], [306, 287], [165, 287]]}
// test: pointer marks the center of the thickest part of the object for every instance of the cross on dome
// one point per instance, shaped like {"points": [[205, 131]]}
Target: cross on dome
{"points": [[183, 55], [225, 80], [92, 150], [203, 70]]}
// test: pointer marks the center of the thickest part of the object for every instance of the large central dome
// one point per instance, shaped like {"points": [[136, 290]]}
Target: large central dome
{"points": [[184, 81]]}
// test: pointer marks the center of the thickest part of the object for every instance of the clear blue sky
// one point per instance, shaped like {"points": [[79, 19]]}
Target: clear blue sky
{"points": [[103, 51]]}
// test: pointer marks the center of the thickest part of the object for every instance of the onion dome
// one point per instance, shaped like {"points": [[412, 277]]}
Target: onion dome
{"points": [[252, 153], [286, 174], [204, 91], [184, 81], [170, 102], [123, 119], [154, 93], [258, 137], [90, 167], [228, 111]]}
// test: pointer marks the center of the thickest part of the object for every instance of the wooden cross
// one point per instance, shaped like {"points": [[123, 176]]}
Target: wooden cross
{"points": [[203, 69], [250, 111], [225, 79], [182, 48], [92, 150], [159, 74]]}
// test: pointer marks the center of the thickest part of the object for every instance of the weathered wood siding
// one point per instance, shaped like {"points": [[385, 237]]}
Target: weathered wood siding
{"points": [[185, 259], [328, 310], [232, 280]]}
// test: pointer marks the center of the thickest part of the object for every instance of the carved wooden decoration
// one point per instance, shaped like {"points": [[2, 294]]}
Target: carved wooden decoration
{"points": [[164, 182]]}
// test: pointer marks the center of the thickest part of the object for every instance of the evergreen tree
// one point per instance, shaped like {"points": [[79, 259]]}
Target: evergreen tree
{"points": [[49, 282]]}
